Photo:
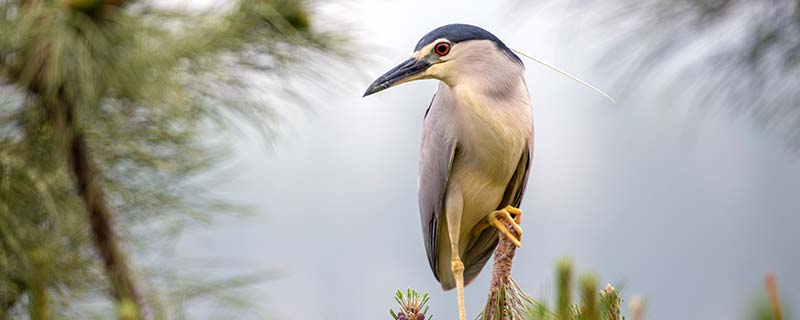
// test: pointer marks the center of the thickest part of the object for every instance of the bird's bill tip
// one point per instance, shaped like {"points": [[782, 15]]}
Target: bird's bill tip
{"points": [[374, 88], [404, 72]]}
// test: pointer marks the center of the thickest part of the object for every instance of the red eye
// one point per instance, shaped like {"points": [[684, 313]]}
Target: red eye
{"points": [[442, 48]]}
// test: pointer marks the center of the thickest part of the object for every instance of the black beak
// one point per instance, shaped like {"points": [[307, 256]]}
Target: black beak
{"points": [[397, 75]]}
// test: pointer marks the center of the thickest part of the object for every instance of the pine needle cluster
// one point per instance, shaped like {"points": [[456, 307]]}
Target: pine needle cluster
{"points": [[108, 111]]}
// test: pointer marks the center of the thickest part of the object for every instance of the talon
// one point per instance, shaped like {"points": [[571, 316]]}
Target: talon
{"points": [[506, 214], [516, 212], [494, 220]]}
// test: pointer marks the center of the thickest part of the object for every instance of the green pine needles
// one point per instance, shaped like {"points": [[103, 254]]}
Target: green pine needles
{"points": [[592, 303], [413, 306], [110, 111], [513, 303]]}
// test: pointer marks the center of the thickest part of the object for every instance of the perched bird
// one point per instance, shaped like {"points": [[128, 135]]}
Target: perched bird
{"points": [[477, 146]]}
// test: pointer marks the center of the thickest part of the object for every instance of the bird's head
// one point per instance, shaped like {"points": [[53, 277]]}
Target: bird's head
{"points": [[454, 54]]}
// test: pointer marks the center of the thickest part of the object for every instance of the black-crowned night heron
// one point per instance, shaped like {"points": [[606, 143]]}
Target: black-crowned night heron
{"points": [[477, 144]]}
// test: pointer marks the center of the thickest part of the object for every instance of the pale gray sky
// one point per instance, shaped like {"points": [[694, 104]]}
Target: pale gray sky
{"points": [[687, 211]]}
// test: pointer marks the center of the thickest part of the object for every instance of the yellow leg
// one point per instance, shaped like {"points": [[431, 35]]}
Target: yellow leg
{"points": [[458, 272], [453, 213], [495, 218]]}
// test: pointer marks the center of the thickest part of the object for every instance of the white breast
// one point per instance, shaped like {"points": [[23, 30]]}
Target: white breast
{"points": [[491, 137], [492, 132]]}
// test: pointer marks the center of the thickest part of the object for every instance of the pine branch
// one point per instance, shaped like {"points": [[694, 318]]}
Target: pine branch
{"points": [[413, 306], [501, 277], [89, 190], [507, 301]]}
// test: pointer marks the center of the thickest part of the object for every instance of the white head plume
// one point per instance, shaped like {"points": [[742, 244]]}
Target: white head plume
{"points": [[567, 74]]}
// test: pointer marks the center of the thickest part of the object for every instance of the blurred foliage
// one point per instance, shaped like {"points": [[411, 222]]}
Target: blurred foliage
{"points": [[762, 309], [740, 56], [593, 304], [151, 88]]}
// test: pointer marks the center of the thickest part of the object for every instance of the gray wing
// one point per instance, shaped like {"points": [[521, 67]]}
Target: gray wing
{"points": [[516, 187], [482, 246], [436, 159]]}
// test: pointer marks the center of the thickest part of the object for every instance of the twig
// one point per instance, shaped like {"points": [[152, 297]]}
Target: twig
{"points": [[772, 293]]}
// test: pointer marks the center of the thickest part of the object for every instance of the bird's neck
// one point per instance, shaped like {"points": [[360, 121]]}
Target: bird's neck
{"points": [[495, 92], [480, 111], [493, 81]]}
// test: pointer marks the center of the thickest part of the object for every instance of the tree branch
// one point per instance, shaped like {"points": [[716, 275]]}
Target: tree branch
{"points": [[501, 277], [99, 214]]}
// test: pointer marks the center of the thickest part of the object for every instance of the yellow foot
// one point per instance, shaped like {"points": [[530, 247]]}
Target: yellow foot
{"points": [[495, 218]]}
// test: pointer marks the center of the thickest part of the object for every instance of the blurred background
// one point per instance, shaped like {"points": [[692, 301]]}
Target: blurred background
{"points": [[685, 192]]}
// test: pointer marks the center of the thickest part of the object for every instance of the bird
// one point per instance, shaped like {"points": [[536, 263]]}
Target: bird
{"points": [[476, 148]]}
